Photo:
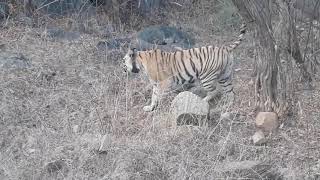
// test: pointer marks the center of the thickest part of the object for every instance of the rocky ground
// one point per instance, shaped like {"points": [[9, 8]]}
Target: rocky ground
{"points": [[68, 111]]}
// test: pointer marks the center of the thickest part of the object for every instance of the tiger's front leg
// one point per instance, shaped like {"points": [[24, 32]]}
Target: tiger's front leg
{"points": [[154, 100]]}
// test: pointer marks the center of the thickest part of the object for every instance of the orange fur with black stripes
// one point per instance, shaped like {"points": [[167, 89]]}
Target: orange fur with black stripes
{"points": [[211, 66]]}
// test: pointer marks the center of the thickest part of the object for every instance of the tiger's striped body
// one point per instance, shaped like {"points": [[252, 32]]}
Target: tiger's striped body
{"points": [[209, 65]]}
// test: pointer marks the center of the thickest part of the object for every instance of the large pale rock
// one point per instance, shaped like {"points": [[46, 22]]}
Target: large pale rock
{"points": [[188, 108], [259, 138], [267, 121]]}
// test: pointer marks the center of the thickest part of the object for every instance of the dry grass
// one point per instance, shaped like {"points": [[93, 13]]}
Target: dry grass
{"points": [[53, 115]]}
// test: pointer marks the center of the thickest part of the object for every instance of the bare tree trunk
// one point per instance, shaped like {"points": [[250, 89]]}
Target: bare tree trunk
{"points": [[292, 46], [269, 95]]}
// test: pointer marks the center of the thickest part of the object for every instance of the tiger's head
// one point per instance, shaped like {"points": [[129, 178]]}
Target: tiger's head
{"points": [[130, 61]]}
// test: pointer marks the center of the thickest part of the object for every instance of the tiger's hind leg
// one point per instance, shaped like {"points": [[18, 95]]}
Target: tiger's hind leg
{"points": [[228, 96], [223, 86], [210, 86], [211, 95], [225, 82]]}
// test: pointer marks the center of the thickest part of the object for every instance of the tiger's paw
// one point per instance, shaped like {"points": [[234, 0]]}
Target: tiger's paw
{"points": [[148, 108], [207, 99]]}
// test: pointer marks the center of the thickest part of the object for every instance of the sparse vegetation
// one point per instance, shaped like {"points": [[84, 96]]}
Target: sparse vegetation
{"points": [[54, 113]]}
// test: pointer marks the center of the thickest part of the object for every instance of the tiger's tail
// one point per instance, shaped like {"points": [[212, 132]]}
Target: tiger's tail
{"points": [[236, 43]]}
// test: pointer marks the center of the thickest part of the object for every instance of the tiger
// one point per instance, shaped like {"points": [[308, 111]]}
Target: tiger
{"points": [[211, 66]]}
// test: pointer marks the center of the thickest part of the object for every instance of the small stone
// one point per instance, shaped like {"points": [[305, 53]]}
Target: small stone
{"points": [[259, 138], [105, 143], [75, 129], [267, 121], [31, 151]]}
